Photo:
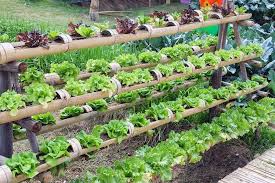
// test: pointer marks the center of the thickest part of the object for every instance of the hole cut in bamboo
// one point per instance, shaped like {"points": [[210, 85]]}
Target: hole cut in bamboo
{"points": [[55, 105], [24, 53], [137, 131]]}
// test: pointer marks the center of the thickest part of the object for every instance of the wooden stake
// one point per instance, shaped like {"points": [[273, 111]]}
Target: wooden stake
{"points": [[94, 9]]}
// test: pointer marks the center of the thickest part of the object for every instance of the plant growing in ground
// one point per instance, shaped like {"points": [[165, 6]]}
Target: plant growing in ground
{"points": [[45, 119], [98, 65], [98, 82], [71, 111], [116, 129], [11, 101], [149, 57], [33, 39], [157, 112], [30, 76], [145, 92], [85, 31], [138, 120], [211, 59], [98, 105], [65, 70], [89, 140], [127, 78], [53, 35], [53, 149], [75, 88], [165, 70], [126, 60], [143, 75], [126, 26], [196, 61], [23, 163], [39, 93], [108, 175], [127, 97]]}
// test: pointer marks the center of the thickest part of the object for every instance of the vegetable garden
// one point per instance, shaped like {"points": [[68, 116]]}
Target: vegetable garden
{"points": [[192, 74]]}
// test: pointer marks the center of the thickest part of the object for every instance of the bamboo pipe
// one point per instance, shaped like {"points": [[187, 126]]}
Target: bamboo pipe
{"points": [[54, 79], [138, 131], [55, 105], [8, 53]]}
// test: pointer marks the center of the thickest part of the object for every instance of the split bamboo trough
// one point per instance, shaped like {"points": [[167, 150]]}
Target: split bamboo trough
{"points": [[57, 104], [9, 52], [79, 151]]}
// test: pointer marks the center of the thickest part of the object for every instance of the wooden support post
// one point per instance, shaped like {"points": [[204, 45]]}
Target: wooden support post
{"points": [[33, 141], [30, 125], [94, 9]]}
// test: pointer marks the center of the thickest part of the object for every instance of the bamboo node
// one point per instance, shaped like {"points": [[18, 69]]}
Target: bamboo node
{"points": [[87, 108], [7, 53], [5, 174], [109, 33], [157, 74]]}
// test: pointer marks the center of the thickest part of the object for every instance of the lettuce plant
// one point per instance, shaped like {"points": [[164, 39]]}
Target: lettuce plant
{"points": [[85, 31], [53, 149], [165, 70], [241, 10], [98, 82], [126, 60], [157, 112], [225, 55], [145, 92], [143, 75], [98, 105], [65, 70], [179, 67], [211, 59], [107, 174], [158, 22], [127, 78], [102, 26], [45, 119], [89, 140], [196, 61], [71, 111], [127, 97], [149, 57], [23, 163], [30, 76], [53, 35], [33, 39], [144, 20], [98, 65], [166, 86], [75, 88], [116, 129], [11, 101], [126, 26], [184, 50], [172, 53], [138, 120], [39, 93]]}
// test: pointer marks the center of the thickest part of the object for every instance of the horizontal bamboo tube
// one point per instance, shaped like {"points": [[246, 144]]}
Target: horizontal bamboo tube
{"points": [[53, 80], [138, 131], [55, 105], [19, 53]]}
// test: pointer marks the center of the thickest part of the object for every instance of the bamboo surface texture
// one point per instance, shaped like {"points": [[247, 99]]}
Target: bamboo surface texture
{"points": [[138, 131], [55, 105], [9, 53]]}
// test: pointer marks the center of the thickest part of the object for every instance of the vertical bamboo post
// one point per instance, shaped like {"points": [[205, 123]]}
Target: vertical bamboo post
{"points": [[33, 141], [94, 8]]}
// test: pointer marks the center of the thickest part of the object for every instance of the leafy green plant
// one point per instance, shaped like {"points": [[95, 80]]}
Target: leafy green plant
{"points": [[71, 111], [157, 112], [116, 129], [75, 88], [127, 97], [224, 54], [89, 140], [98, 82], [85, 31], [102, 25], [144, 20], [165, 70], [176, 107], [11, 101], [149, 57], [39, 93], [139, 120], [172, 53], [98, 105], [179, 67], [196, 61], [211, 59], [53, 35], [65, 70], [241, 10], [176, 15], [4, 38], [30, 76], [145, 92], [158, 22], [18, 131], [184, 50], [45, 119], [143, 75], [98, 65], [127, 78], [126, 60], [107, 174], [53, 149], [23, 163], [166, 86]]}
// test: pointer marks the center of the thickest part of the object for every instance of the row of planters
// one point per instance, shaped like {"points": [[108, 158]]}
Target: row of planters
{"points": [[65, 71], [156, 19], [53, 149], [101, 86], [156, 163]]}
